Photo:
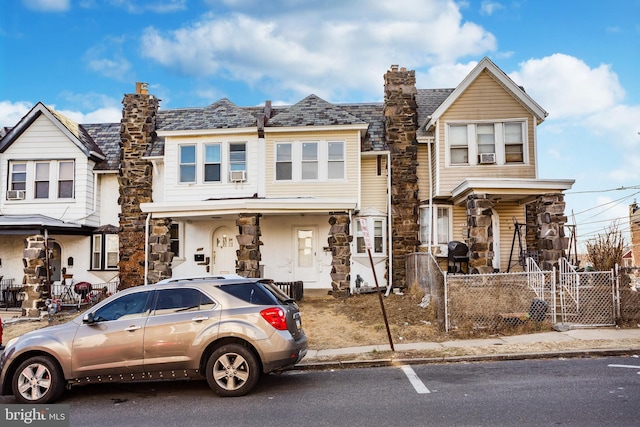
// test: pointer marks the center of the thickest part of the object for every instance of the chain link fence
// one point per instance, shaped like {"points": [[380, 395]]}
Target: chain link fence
{"points": [[478, 304]]}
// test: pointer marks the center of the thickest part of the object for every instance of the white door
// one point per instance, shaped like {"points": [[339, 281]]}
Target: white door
{"points": [[305, 251], [223, 258]]}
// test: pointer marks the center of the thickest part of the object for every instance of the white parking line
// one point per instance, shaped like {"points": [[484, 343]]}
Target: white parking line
{"points": [[414, 380], [624, 366]]}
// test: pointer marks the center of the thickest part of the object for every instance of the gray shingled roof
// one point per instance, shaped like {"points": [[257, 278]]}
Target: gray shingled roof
{"points": [[428, 101], [107, 137], [223, 114], [313, 111]]}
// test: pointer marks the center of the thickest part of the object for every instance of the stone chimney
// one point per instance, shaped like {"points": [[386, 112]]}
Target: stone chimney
{"points": [[137, 132], [401, 123]]}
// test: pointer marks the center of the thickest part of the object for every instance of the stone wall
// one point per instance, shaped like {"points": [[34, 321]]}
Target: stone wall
{"points": [[35, 275], [549, 229], [248, 255], [160, 255], [137, 132], [339, 241], [401, 123], [480, 240]]}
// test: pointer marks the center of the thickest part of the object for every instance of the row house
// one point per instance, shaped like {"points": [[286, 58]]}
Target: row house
{"points": [[333, 195]]}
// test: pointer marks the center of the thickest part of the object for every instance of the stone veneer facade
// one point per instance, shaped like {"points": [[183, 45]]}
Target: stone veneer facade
{"points": [[248, 255], [545, 229], [339, 241], [401, 123], [480, 232], [35, 275], [137, 131]]}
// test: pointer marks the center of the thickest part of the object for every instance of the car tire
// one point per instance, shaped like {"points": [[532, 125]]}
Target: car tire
{"points": [[232, 370], [38, 380]]}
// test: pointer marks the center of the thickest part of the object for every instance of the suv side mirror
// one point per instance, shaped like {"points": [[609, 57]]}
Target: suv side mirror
{"points": [[88, 318]]}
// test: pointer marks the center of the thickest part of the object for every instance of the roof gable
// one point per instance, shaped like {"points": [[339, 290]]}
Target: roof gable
{"points": [[499, 75], [314, 111], [222, 114], [75, 132]]}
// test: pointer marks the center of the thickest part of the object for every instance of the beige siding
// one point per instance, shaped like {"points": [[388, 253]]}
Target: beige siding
{"points": [[374, 186], [343, 189], [484, 99], [423, 172], [506, 212]]}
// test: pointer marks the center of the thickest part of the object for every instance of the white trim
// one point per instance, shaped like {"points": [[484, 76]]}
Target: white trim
{"points": [[315, 129]]}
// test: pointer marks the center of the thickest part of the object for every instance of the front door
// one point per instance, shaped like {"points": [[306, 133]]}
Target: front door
{"points": [[305, 251], [224, 251]]}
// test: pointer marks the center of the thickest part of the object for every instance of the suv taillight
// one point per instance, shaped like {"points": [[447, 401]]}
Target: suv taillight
{"points": [[276, 317]]}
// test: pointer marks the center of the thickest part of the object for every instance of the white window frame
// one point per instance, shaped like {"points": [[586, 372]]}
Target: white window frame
{"points": [[360, 247], [27, 169], [500, 144], [322, 161], [235, 164], [431, 228], [191, 165], [102, 246], [206, 163]]}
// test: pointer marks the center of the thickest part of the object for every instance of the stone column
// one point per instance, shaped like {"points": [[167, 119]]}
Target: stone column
{"points": [[480, 240], [340, 244], [248, 254], [401, 124], [137, 132], [35, 275], [549, 228], [160, 255]]}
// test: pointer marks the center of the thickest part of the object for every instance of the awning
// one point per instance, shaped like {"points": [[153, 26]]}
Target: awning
{"points": [[37, 224]]}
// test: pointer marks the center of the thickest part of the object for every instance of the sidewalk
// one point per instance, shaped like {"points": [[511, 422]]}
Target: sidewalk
{"points": [[571, 343]]}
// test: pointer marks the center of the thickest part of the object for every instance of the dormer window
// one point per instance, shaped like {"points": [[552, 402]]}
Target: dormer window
{"points": [[50, 179]]}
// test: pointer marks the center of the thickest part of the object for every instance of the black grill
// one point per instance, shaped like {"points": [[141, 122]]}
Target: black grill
{"points": [[458, 255]]}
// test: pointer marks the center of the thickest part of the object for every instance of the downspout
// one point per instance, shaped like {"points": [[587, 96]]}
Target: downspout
{"points": [[430, 227], [146, 249], [389, 229]]}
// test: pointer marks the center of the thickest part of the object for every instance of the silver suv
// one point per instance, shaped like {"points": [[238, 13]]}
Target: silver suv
{"points": [[225, 329]]}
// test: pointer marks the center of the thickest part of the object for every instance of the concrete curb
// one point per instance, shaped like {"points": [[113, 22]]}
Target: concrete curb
{"points": [[350, 364]]}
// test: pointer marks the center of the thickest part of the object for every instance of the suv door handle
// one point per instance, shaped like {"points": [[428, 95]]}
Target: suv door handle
{"points": [[132, 328], [200, 318]]}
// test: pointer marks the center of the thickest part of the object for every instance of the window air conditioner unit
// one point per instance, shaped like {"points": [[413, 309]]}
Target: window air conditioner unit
{"points": [[15, 195], [487, 158], [237, 176]]}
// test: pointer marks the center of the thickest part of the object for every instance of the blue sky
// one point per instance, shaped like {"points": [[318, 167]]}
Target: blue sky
{"points": [[579, 59]]}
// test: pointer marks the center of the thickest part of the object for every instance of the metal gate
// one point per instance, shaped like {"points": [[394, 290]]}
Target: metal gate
{"points": [[586, 298]]}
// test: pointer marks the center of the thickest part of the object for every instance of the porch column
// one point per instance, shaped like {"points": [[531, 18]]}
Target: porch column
{"points": [[549, 228], [35, 275], [340, 244], [248, 254], [480, 240], [160, 254]]}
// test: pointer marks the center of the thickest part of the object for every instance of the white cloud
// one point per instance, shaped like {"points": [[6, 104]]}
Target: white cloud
{"points": [[445, 75], [567, 87], [335, 55], [101, 115], [47, 5], [487, 7], [157, 6], [107, 59], [12, 112], [618, 125]]}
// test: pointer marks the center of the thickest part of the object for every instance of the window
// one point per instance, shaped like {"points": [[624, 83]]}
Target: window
{"points": [[458, 144], [42, 181], [187, 163], [376, 228], [441, 225], [283, 162], [238, 157], [513, 143], [499, 143], [181, 300], [485, 137], [105, 252], [19, 176], [336, 160], [65, 180], [174, 238], [309, 160], [212, 163], [126, 307]]}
